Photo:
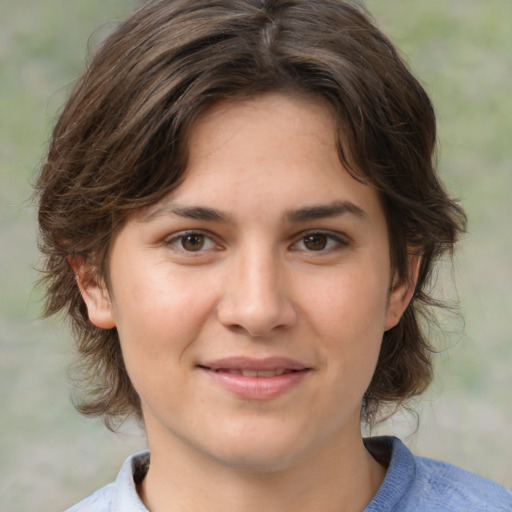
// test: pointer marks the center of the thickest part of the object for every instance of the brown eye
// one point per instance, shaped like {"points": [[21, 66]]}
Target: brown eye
{"points": [[315, 242], [193, 242]]}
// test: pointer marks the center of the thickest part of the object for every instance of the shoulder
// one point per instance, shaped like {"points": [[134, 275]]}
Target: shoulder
{"points": [[418, 483], [121, 495], [457, 489], [99, 501]]}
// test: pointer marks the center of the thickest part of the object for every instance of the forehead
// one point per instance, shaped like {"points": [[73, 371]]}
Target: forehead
{"points": [[273, 150], [307, 115]]}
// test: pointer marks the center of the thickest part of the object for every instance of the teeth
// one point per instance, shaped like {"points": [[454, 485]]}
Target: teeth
{"points": [[255, 373], [271, 373], [264, 373]]}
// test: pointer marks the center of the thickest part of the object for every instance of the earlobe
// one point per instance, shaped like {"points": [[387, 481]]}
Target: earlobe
{"points": [[94, 293], [401, 294]]}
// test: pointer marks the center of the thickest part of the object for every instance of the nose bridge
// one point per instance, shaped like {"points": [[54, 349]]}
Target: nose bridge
{"points": [[257, 298]]}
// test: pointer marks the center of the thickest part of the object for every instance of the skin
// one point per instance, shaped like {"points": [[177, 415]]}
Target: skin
{"points": [[259, 276]]}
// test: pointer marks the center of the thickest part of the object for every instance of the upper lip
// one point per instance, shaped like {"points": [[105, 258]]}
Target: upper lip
{"points": [[254, 364]]}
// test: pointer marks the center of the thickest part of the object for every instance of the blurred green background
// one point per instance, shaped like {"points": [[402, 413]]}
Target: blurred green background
{"points": [[461, 50]]}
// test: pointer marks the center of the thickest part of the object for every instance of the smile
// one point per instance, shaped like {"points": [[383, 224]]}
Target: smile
{"points": [[252, 379]]}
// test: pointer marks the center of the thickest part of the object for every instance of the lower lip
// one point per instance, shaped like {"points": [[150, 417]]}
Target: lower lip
{"points": [[257, 388]]}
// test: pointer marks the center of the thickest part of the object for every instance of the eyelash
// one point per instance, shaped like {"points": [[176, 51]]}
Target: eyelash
{"points": [[332, 242]]}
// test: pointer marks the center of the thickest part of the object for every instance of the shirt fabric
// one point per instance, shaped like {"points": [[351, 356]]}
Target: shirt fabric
{"points": [[411, 484]]}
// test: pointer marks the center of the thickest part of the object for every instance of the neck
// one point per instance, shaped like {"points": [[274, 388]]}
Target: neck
{"points": [[340, 476]]}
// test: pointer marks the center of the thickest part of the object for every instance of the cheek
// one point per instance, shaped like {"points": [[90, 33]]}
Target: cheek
{"points": [[159, 316], [158, 329], [348, 317], [349, 303]]}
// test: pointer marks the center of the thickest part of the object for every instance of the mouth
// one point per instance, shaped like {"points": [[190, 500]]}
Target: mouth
{"points": [[254, 373], [252, 367], [256, 379]]}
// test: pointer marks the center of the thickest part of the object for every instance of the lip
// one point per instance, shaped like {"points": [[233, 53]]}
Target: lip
{"points": [[221, 372]]}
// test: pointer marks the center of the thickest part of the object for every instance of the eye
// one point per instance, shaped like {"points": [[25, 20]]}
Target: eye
{"points": [[191, 242], [319, 241], [315, 242]]}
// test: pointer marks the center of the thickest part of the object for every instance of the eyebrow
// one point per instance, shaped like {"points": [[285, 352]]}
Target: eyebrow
{"points": [[323, 211], [308, 213], [189, 212]]}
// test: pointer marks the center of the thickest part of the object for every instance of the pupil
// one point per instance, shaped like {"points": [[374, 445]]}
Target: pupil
{"points": [[315, 242], [193, 242]]}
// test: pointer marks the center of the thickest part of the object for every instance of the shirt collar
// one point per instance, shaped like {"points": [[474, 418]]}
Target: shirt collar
{"points": [[400, 474], [126, 498]]}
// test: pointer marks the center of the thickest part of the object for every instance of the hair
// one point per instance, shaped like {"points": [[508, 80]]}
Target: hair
{"points": [[120, 144]]}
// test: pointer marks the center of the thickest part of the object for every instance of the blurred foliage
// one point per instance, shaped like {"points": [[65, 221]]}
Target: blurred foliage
{"points": [[460, 49]]}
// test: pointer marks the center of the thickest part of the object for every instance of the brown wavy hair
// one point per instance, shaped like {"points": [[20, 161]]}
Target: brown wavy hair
{"points": [[120, 144]]}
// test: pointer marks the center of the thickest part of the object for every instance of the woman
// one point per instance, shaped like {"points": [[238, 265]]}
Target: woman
{"points": [[240, 213]]}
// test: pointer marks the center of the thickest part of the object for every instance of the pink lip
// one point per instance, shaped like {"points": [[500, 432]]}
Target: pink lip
{"points": [[255, 388]]}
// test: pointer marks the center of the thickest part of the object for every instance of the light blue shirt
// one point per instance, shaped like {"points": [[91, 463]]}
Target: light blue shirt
{"points": [[411, 484]]}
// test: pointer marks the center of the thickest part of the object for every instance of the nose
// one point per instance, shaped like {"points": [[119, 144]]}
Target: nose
{"points": [[257, 296]]}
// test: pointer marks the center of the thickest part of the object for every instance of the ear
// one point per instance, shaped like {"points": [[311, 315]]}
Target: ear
{"points": [[94, 293], [401, 293]]}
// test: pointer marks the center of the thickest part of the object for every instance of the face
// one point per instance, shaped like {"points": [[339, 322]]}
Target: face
{"points": [[251, 302]]}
